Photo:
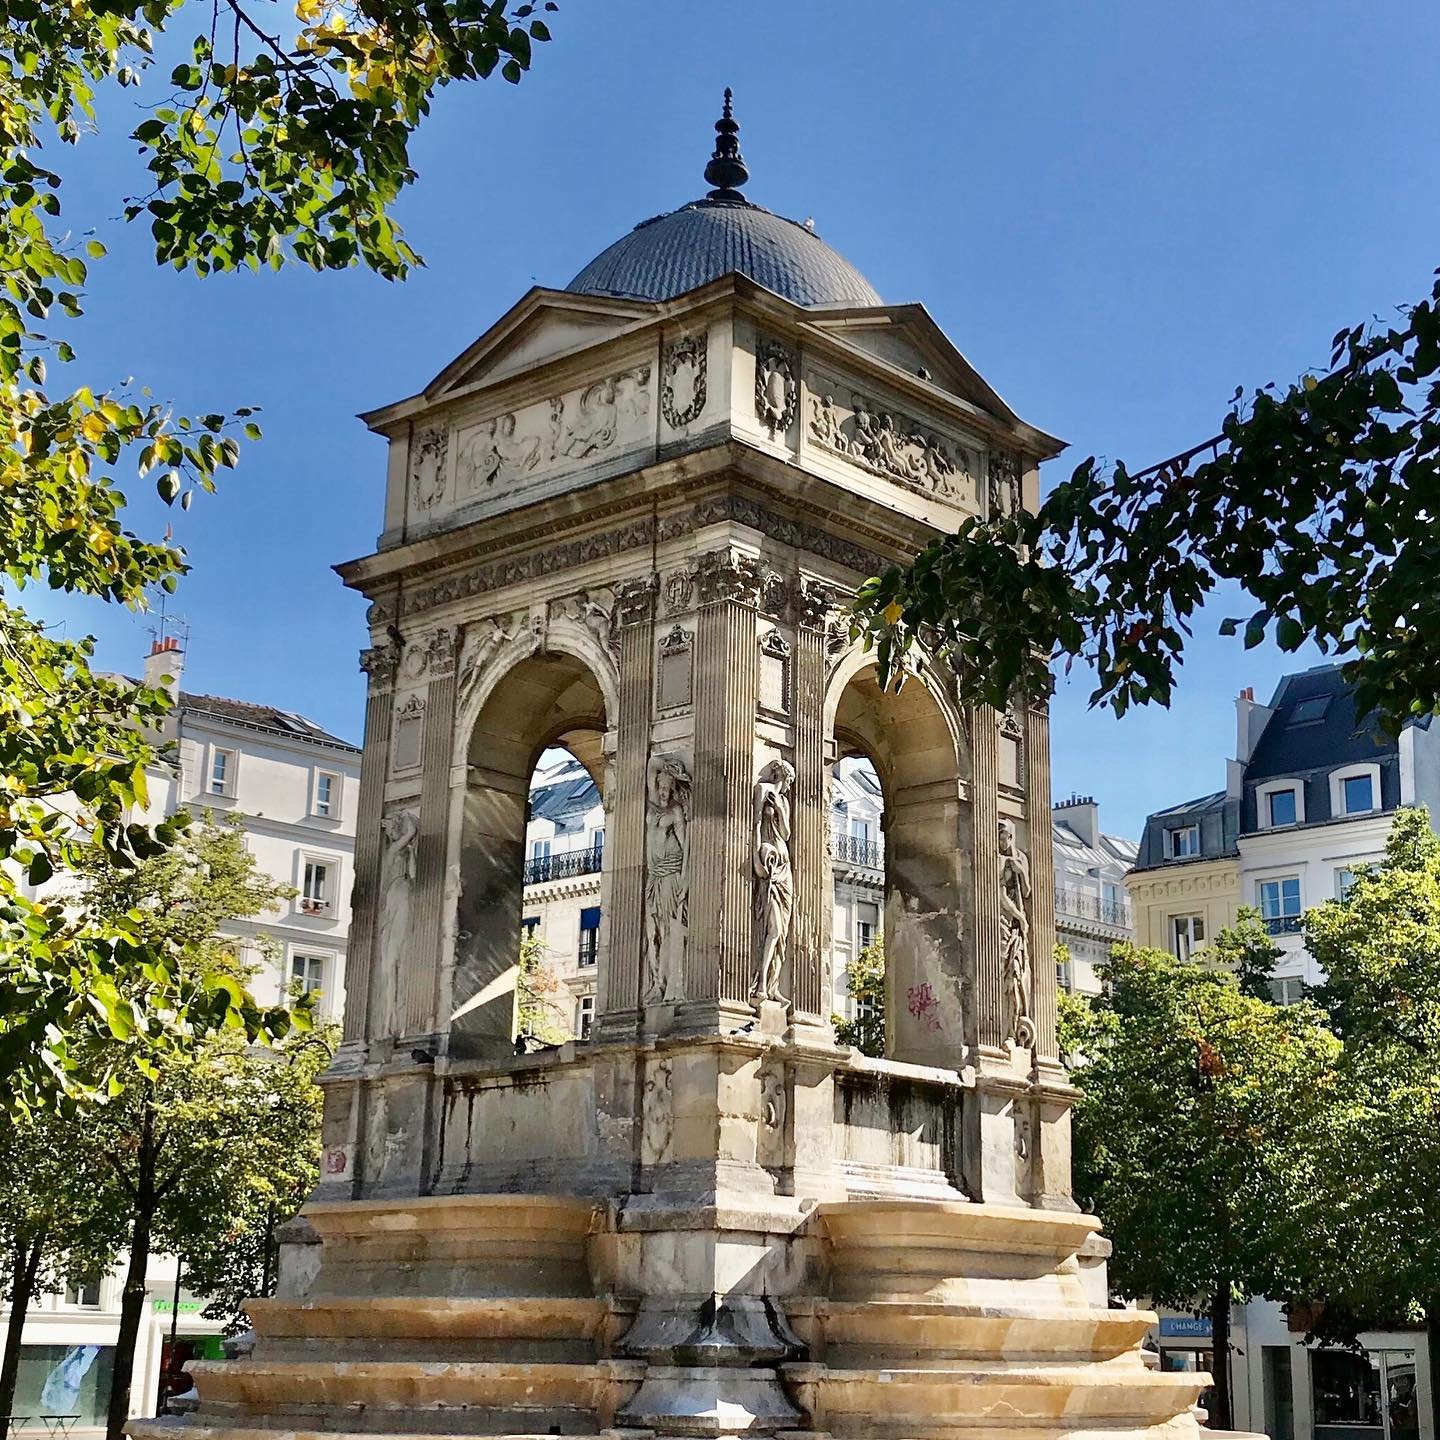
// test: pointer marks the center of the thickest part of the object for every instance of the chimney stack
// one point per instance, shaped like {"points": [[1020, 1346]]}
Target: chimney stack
{"points": [[164, 664], [1082, 815]]}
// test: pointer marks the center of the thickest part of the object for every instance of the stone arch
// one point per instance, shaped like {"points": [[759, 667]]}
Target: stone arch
{"points": [[914, 738], [531, 696]]}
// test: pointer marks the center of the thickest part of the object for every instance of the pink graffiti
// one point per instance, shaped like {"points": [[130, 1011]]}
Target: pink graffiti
{"points": [[924, 1005], [336, 1161]]}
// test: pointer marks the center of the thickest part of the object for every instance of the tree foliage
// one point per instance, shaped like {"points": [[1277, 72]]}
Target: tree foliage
{"points": [[542, 1016], [265, 147], [1317, 500], [865, 984], [1380, 1174], [1248, 951], [1192, 1134]]}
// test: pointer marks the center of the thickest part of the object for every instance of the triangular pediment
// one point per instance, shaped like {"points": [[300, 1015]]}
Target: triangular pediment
{"points": [[907, 339], [544, 325]]}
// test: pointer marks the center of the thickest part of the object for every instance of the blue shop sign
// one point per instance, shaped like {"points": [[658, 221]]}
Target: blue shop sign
{"points": [[1184, 1327]]}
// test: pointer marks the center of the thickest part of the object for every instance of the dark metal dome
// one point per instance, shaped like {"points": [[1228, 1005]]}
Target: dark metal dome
{"points": [[720, 235]]}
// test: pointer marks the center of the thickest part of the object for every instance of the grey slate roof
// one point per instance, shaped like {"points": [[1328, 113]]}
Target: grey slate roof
{"points": [[1216, 820], [1314, 725], [700, 242], [260, 717]]}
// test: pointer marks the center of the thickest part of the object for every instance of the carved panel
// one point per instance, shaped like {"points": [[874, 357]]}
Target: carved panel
{"points": [[777, 396], [593, 610], [888, 443], [427, 467], [775, 655], [678, 587], [1004, 489], [405, 748], [683, 380], [673, 671]]}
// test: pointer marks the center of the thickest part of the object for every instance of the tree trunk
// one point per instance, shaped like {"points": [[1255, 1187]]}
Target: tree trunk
{"points": [[24, 1266], [132, 1301], [1222, 1411], [1432, 1349]]}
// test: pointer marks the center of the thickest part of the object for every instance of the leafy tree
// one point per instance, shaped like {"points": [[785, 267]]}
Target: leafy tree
{"points": [[1192, 1135], [1318, 501], [54, 1227], [541, 1015], [259, 150], [865, 984], [1248, 951], [1380, 1166]]}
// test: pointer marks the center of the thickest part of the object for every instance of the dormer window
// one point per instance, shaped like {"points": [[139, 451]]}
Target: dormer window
{"points": [[1355, 790], [1182, 842], [1280, 808], [1359, 792]]}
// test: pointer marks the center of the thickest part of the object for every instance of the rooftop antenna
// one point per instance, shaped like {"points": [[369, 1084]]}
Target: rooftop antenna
{"points": [[168, 626]]}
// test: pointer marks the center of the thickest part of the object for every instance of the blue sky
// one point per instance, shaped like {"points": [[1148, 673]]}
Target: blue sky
{"points": [[1118, 211]]}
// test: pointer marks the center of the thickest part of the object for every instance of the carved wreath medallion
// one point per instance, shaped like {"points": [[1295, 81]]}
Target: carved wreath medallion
{"points": [[777, 397], [682, 381]]}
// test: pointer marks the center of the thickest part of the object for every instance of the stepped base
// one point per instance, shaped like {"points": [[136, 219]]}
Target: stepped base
{"points": [[517, 1316]]}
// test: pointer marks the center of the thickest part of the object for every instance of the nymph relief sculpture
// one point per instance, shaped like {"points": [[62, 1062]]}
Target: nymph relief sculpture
{"points": [[667, 885], [774, 879], [1015, 936]]}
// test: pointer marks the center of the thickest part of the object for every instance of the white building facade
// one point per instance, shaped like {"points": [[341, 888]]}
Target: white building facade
{"points": [[293, 787], [1092, 909]]}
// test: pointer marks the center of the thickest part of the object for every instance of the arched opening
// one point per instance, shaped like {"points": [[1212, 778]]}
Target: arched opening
{"points": [[856, 846], [532, 840], [913, 749]]}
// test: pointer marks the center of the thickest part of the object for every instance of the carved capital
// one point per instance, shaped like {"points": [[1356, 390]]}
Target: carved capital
{"points": [[728, 575], [635, 600], [380, 663], [813, 603]]}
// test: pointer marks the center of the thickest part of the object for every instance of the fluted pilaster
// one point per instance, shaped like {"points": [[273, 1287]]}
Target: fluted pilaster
{"points": [[1042, 876], [989, 959], [810, 961]]}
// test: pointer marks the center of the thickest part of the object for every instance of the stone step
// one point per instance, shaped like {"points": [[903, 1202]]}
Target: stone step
{"points": [[435, 1328], [394, 1397], [185, 1430], [863, 1335], [888, 1404]]}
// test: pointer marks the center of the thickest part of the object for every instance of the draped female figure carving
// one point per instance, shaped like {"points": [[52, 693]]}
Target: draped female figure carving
{"points": [[774, 879], [667, 885]]}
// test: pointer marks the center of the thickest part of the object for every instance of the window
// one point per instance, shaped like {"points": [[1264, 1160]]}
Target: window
{"points": [[1289, 990], [222, 772], [1280, 808], [539, 849], [584, 1016], [327, 795], [1307, 712], [82, 1374], [1187, 934], [1183, 841], [597, 841], [308, 972], [867, 922], [315, 891], [84, 1293], [1063, 976], [1344, 883], [589, 935], [530, 927], [1359, 794], [860, 830], [1280, 905]]}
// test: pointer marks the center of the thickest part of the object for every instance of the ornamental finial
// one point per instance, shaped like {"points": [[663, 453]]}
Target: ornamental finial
{"points": [[726, 170]]}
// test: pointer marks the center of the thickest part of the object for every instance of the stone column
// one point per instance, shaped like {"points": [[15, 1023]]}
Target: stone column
{"points": [[625, 825], [379, 663], [812, 980], [720, 954], [1042, 877], [420, 983]]}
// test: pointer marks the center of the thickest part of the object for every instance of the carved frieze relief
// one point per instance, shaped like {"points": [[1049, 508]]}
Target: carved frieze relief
{"points": [[500, 454], [641, 533], [774, 893], [1014, 879], [683, 380], [482, 640], [667, 884], [777, 396], [592, 610], [892, 445]]}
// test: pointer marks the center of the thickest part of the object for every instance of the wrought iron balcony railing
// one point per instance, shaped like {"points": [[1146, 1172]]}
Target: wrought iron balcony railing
{"points": [[852, 850], [1092, 907], [565, 866], [1282, 924]]}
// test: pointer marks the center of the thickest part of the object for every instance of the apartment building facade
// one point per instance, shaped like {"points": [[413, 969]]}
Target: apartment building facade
{"points": [[1092, 908], [293, 788], [1309, 796]]}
